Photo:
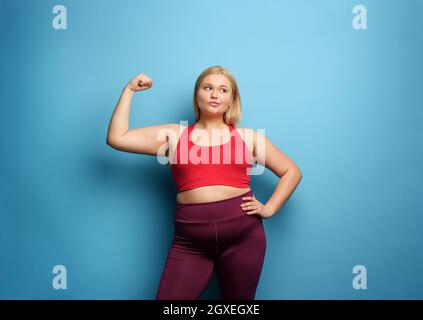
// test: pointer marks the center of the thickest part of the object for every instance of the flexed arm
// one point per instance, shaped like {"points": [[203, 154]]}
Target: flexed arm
{"points": [[140, 140]]}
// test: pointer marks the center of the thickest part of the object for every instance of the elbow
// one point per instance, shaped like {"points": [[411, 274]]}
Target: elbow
{"points": [[114, 140], [296, 172], [299, 174], [293, 172], [111, 142]]}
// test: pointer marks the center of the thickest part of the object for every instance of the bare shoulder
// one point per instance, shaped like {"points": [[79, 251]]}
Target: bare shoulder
{"points": [[246, 132], [249, 137]]}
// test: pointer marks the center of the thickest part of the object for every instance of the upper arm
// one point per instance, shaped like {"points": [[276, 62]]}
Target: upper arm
{"points": [[268, 155], [150, 140]]}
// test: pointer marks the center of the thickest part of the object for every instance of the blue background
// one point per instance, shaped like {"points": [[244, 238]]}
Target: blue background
{"points": [[344, 104]]}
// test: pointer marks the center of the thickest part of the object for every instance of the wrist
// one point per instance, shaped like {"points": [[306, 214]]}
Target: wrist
{"points": [[269, 210], [129, 89]]}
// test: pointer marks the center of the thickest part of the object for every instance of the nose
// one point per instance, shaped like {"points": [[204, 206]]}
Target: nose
{"points": [[214, 93]]}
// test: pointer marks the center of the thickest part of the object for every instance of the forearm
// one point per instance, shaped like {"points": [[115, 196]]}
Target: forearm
{"points": [[119, 123], [284, 189]]}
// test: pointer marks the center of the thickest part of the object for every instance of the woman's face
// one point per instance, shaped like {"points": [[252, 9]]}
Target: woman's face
{"points": [[214, 94]]}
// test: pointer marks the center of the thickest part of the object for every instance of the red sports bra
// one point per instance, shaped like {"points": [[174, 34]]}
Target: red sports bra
{"points": [[194, 165]]}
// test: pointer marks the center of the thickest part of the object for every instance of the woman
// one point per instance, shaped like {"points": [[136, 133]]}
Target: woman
{"points": [[218, 220]]}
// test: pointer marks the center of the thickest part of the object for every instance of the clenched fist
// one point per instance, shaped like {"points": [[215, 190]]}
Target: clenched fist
{"points": [[140, 82]]}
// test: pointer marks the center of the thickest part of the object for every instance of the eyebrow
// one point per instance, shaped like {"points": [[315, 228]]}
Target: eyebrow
{"points": [[223, 85]]}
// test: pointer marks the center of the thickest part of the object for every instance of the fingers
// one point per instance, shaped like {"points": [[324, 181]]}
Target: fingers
{"points": [[144, 80], [249, 206], [141, 82], [145, 83]]}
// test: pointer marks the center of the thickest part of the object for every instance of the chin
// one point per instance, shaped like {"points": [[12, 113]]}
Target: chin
{"points": [[214, 111]]}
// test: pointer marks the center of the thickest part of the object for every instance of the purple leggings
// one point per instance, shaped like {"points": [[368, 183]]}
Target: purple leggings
{"points": [[214, 235]]}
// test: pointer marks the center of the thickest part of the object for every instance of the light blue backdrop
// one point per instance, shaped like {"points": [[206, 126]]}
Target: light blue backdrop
{"points": [[344, 104]]}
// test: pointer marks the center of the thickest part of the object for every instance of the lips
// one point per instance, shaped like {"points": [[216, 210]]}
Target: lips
{"points": [[214, 104]]}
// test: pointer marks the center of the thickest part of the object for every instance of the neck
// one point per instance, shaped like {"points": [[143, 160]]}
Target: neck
{"points": [[209, 124]]}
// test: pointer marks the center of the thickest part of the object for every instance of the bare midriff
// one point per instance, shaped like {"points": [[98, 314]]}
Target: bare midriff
{"points": [[209, 194]]}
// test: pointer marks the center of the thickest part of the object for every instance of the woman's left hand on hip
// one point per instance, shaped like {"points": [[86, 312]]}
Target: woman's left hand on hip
{"points": [[253, 206]]}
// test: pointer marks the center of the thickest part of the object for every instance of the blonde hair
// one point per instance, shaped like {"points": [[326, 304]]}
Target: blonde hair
{"points": [[233, 114]]}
